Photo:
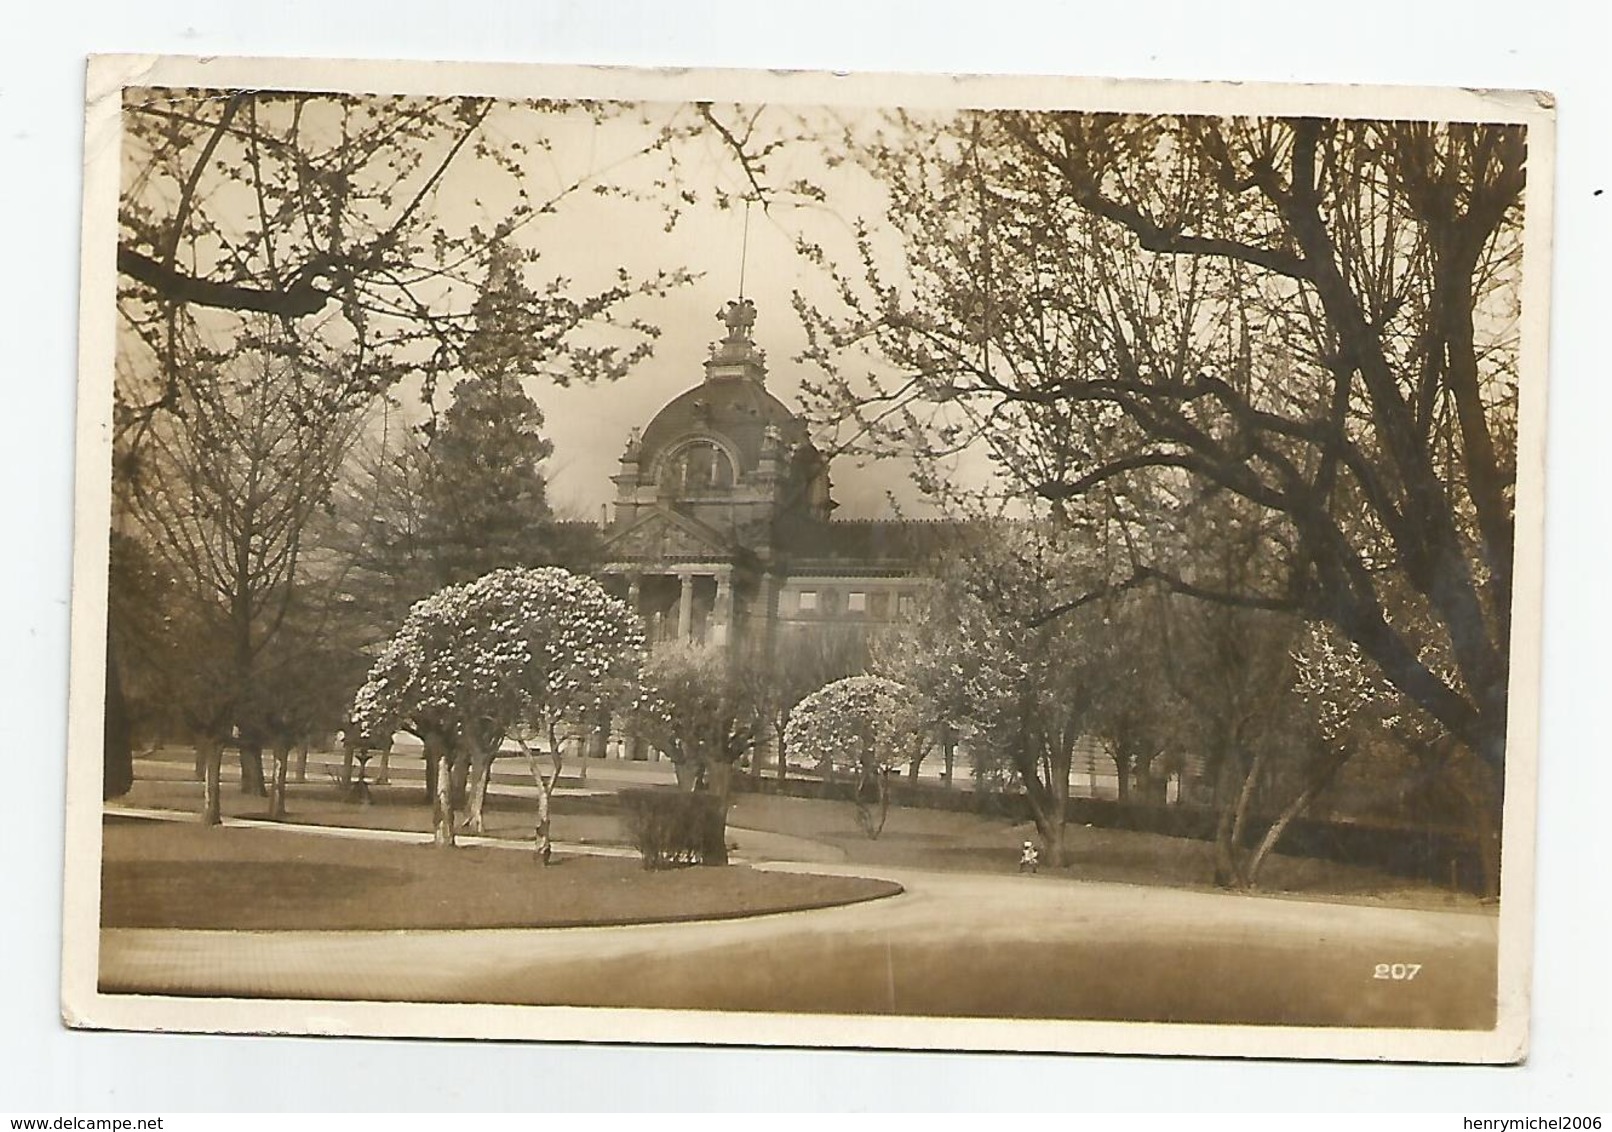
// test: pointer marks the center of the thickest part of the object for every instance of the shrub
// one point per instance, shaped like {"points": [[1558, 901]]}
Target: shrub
{"points": [[671, 828]]}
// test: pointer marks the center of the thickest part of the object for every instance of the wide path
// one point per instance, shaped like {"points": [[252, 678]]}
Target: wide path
{"points": [[952, 943]]}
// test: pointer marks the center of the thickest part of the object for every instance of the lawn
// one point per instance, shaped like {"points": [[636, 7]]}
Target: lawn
{"points": [[159, 874], [936, 839], [400, 806], [912, 838]]}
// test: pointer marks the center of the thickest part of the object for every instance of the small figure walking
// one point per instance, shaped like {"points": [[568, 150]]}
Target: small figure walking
{"points": [[1028, 858]]}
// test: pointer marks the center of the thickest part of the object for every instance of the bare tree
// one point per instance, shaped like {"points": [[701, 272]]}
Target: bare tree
{"points": [[1318, 317], [328, 211], [223, 496], [352, 226], [781, 673]]}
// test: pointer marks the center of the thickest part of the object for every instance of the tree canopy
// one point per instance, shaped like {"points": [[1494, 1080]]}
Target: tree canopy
{"points": [[864, 726], [697, 707], [229, 486], [360, 220], [516, 649], [1134, 314]]}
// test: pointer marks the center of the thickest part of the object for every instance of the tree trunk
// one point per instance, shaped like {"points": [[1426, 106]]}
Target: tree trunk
{"points": [[688, 774], [545, 790], [1317, 783], [1245, 802], [1489, 853], [1484, 800], [282, 763], [871, 818], [1049, 802], [211, 752], [459, 777], [384, 776], [201, 762], [117, 737], [778, 747], [302, 762], [252, 769], [1052, 835], [948, 751], [1226, 871], [1146, 784], [1049, 824], [430, 772], [481, 765], [442, 808], [540, 833], [348, 750], [1122, 774], [756, 753], [718, 780]]}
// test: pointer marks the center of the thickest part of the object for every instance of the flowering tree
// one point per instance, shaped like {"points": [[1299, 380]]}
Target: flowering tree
{"points": [[1368, 727], [696, 708], [913, 653], [1316, 317], [863, 725], [512, 653], [1008, 658]]}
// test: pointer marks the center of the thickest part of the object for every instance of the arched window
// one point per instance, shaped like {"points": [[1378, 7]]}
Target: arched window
{"points": [[697, 468]]}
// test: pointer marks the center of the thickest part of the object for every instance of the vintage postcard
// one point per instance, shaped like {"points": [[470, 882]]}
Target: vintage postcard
{"points": [[797, 559]]}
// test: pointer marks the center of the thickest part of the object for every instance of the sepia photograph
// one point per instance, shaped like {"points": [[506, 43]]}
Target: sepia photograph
{"points": [[795, 559]]}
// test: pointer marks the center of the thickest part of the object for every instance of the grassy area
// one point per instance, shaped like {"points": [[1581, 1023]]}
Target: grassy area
{"points": [[400, 806], [172, 875], [913, 838], [934, 839]]}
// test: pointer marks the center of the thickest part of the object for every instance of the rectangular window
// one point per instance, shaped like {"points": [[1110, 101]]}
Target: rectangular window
{"points": [[906, 605], [879, 603], [808, 601], [857, 602]]}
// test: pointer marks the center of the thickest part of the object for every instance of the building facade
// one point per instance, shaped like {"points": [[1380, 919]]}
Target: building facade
{"points": [[723, 530], [723, 534]]}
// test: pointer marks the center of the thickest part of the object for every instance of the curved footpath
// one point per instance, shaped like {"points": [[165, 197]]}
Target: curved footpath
{"points": [[951, 943]]}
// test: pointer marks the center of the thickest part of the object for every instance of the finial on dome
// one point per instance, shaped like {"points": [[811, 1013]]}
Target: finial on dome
{"points": [[740, 317], [737, 354]]}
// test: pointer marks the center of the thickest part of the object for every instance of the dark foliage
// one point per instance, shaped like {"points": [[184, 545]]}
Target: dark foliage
{"points": [[673, 828]]}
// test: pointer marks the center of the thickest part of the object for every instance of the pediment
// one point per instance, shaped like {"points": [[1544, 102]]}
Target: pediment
{"points": [[663, 534]]}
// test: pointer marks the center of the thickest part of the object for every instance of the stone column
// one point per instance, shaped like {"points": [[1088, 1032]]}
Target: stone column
{"points": [[722, 609], [765, 609], [763, 630], [685, 606]]}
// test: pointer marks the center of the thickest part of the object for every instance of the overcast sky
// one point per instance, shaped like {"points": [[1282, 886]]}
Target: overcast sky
{"points": [[592, 235]]}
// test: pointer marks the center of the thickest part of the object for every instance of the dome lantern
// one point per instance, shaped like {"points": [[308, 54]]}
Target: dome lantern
{"points": [[737, 355]]}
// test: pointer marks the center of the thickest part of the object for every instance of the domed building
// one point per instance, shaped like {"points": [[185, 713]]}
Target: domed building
{"points": [[723, 529]]}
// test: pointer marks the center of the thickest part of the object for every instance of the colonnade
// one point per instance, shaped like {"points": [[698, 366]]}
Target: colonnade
{"points": [[710, 624]]}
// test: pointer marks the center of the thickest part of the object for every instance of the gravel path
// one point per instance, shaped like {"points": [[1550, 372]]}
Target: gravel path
{"points": [[953, 943]]}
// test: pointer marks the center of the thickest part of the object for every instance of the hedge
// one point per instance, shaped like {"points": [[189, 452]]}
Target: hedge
{"points": [[670, 828]]}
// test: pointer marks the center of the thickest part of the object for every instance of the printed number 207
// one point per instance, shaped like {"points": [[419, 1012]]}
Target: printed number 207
{"points": [[1399, 972]]}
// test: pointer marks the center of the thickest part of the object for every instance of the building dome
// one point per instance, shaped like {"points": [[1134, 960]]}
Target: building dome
{"points": [[736, 413], [727, 453]]}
